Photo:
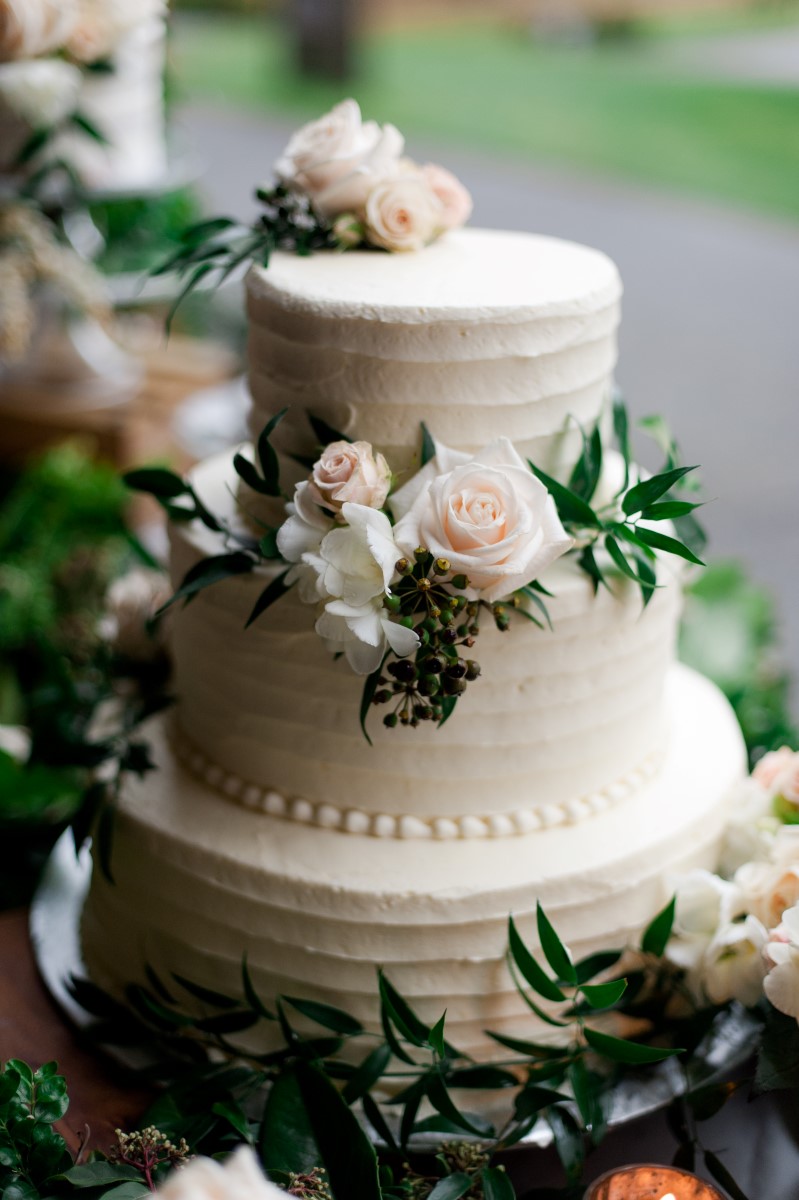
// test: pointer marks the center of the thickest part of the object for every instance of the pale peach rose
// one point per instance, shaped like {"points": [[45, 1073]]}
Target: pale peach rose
{"points": [[350, 472], [769, 890], [781, 956], [337, 159], [786, 785], [456, 201], [772, 764], [403, 214], [29, 28], [489, 517]]}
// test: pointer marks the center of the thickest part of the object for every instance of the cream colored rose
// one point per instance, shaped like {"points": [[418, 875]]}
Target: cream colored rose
{"points": [[781, 956], [350, 472], [238, 1178], [338, 159], [490, 517], [456, 203], [41, 92], [770, 888], [403, 214], [29, 28]]}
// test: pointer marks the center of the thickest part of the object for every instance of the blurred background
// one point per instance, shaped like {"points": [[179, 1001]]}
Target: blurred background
{"points": [[665, 132]]}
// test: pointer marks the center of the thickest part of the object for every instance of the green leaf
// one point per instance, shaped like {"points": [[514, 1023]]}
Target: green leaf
{"points": [[452, 1187], [617, 554], [533, 1099], [325, 434], [327, 1016], [570, 506], [621, 428], [649, 490], [483, 1077], [9, 1082], [201, 231], [428, 446], [267, 455], [587, 1088], [535, 975], [656, 427], [721, 1175], [105, 839], [443, 1103], [595, 964], [195, 278], [272, 592], [207, 572], [379, 1123], [347, 1154], [587, 562], [368, 1073], [128, 1191], [267, 546], [402, 1015], [529, 1049], [205, 995], [656, 935], [413, 1097], [51, 1099], [251, 476], [588, 468], [621, 1051], [568, 1142], [156, 481], [537, 600], [670, 545], [286, 1140], [497, 1185], [528, 1000], [448, 704], [778, 1053], [99, 1174], [603, 995], [436, 1039], [668, 510], [87, 126], [153, 1011], [251, 995], [370, 686], [234, 1116], [555, 952]]}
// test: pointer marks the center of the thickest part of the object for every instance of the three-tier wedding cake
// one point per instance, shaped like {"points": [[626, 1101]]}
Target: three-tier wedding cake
{"points": [[582, 769]]}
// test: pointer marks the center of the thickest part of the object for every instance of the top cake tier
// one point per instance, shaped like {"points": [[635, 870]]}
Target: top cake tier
{"points": [[483, 332]]}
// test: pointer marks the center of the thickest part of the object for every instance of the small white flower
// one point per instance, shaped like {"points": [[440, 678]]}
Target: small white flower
{"points": [[704, 904], [363, 633], [360, 557], [782, 960], [299, 539], [733, 967], [238, 1178]]}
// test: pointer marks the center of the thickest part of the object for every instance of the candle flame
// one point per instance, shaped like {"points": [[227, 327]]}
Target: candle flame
{"points": [[669, 1196]]}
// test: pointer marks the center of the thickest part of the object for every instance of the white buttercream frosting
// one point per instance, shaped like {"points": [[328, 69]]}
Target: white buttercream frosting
{"points": [[479, 332], [199, 881]]}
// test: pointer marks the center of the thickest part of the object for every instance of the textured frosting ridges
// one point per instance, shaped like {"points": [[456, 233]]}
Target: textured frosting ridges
{"points": [[557, 715], [480, 332], [199, 882]]}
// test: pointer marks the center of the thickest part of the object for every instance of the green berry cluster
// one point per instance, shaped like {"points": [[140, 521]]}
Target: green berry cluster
{"points": [[430, 599]]}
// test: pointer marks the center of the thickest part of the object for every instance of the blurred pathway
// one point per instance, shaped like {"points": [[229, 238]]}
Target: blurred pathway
{"points": [[710, 335]]}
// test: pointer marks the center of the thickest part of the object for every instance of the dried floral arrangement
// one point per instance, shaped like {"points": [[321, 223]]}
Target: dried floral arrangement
{"points": [[400, 577]]}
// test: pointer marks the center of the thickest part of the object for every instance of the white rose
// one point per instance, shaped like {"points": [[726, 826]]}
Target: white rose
{"points": [[704, 903], [733, 967], [751, 828], [238, 1178], [350, 472], [782, 962], [41, 92], [337, 159], [29, 28], [403, 214], [490, 517]]}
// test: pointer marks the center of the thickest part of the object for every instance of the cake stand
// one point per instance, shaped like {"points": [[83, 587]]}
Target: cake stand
{"points": [[54, 928]]}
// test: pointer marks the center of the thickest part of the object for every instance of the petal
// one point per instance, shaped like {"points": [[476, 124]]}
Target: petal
{"points": [[402, 641]]}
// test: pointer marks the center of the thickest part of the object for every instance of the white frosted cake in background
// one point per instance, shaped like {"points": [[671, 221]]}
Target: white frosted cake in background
{"points": [[583, 769]]}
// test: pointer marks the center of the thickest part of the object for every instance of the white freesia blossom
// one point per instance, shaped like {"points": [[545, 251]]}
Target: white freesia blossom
{"points": [[238, 1178], [41, 92], [733, 966], [486, 514], [299, 539], [358, 559], [363, 632], [350, 472], [704, 905], [337, 159], [29, 28], [781, 984]]}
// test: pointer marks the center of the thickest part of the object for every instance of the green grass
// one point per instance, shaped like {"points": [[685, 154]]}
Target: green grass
{"points": [[600, 108]]}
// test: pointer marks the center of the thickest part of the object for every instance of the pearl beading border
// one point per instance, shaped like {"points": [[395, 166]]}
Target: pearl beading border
{"points": [[384, 825]]}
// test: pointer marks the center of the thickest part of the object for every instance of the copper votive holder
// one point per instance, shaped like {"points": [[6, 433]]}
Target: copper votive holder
{"points": [[647, 1181]]}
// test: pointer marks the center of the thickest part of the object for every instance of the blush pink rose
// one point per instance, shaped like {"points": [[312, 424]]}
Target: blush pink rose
{"points": [[456, 202], [350, 472], [403, 214], [773, 764], [29, 28], [491, 518]]}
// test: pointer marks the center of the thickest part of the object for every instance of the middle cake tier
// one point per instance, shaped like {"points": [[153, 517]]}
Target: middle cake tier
{"points": [[562, 723]]}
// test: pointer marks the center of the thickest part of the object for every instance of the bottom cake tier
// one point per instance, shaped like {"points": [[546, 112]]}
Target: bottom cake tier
{"points": [[200, 881]]}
